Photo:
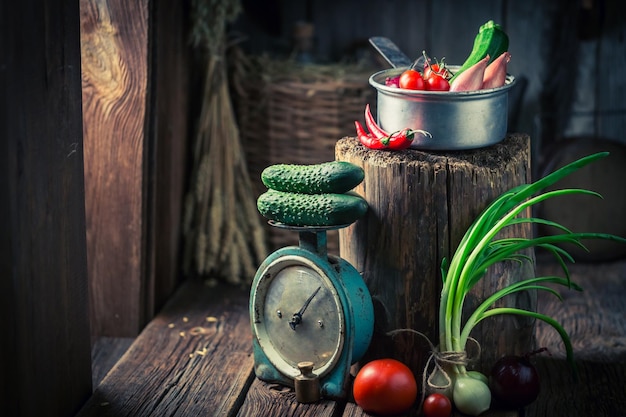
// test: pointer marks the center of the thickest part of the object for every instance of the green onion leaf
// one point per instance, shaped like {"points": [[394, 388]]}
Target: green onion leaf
{"points": [[480, 248]]}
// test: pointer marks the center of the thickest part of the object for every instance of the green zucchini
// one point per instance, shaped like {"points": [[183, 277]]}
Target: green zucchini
{"points": [[298, 209], [491, 40], [328, 177]]}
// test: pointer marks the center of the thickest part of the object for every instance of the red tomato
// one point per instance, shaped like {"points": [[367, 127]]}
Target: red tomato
{"points": [[437, 405], [385, 387], [437, 83], [434, 68], [412, 80], [429, 69]]}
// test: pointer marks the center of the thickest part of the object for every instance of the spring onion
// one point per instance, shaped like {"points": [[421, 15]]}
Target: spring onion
{"points": [[479, 249]]}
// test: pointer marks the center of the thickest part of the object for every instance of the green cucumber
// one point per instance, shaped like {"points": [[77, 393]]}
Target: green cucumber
{"points": [[491, 40], [298, 209], [328, 177]]}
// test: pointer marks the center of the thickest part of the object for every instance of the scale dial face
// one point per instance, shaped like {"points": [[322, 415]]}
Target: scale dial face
{"points": [[298, 316]]}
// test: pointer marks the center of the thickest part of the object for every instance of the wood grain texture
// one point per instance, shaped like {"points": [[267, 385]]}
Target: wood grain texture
{"points": [[114, 43], [194, 358], [44, 347], [105, 353], [265, 399], [594, 319], [597, 391], [353, 410], [420, 205]]}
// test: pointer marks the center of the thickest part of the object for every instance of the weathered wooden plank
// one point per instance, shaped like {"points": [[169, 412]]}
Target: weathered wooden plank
{"points": [[598, 391], [353, 410], [594, 318], [44, 346], [194, 358], [135, 90], [114, 42], [264, 399], [105, 353]]}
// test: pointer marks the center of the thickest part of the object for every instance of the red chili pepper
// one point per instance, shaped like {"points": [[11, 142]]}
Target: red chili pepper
{"points": [[366, 139], [372, 125], [397, 140], [401, 140]]}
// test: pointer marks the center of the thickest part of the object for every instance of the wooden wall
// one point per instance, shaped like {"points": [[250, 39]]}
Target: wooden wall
{"points": [[570, 53], [45, 366]]}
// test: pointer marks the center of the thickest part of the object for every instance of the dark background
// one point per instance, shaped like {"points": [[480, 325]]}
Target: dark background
{"points": [[566, 54]]}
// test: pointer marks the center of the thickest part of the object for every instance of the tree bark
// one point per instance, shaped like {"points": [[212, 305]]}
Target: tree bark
{"points": [[420, 205]]}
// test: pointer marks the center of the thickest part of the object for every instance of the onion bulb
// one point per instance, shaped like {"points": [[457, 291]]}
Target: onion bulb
{"points": [[514, 381], [470, 395]]}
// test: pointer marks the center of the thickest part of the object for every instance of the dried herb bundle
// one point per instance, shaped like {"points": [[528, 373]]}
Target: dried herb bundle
{"points": [[224, 238]]}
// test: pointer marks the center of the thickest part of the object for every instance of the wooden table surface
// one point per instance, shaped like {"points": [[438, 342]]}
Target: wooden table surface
{"points": [[195, 358]]}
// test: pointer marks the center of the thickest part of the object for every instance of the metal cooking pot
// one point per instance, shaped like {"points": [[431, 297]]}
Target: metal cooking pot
{"points": [[455, 120]]}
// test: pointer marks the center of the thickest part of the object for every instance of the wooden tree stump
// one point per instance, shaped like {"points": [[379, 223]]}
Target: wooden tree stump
{"points": [[420, 205]]}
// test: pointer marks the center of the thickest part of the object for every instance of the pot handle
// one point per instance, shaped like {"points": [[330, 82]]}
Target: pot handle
{"points": [[390, 52]]}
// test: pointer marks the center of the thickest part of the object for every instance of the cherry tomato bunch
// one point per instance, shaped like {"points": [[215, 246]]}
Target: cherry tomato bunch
{"points": [[433, 77]]}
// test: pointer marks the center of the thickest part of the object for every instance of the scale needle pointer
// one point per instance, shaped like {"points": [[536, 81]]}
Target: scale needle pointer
{"points": [[297, 317]]}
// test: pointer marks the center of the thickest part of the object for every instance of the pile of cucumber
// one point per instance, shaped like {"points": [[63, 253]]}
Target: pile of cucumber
{"points": [[312, 195]]}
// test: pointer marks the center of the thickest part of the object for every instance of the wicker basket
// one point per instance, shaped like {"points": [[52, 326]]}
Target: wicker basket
{"points": [[295, 114]]}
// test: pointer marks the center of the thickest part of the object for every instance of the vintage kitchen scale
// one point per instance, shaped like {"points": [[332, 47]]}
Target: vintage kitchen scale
{"points": [[309, 310]]}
